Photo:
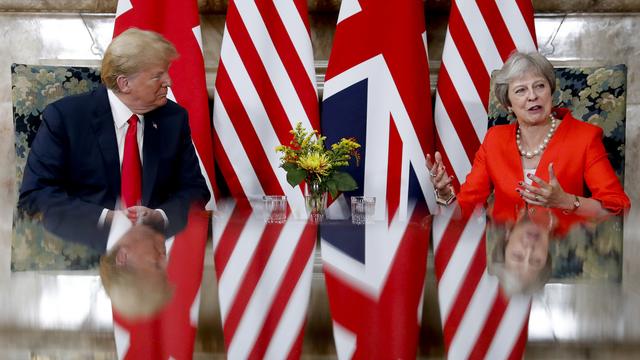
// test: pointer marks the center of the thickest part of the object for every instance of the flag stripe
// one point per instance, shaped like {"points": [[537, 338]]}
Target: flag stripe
{"points": [[468, 285], [254, 271], [228, 240], [268, 65], [268, 272], [393, 171], [498, 29], [482, 40], [455, 108], [239, 172], [258, 74], [450, 282], [473, 70], [491, 324], [303, 254], [259, 163], [232, 279], [282, 17]]}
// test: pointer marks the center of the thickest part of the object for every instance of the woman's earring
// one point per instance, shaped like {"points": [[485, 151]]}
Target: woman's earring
{"points": [[510, 115]]}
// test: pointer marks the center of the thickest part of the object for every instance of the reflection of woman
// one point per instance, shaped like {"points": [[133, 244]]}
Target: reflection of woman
{"points": [[520, 256], [545, 158]]}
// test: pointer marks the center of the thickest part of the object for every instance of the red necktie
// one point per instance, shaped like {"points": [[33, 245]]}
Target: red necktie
{"points": [[131, 180]]}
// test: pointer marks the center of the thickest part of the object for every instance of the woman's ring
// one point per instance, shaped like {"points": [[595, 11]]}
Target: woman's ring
{"points": [[537, 198], [432, 174]]}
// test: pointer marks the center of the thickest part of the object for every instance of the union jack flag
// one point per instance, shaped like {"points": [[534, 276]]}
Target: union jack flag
{"points": [[171, 334], [377, 90], [265, 85], [478, 320]]}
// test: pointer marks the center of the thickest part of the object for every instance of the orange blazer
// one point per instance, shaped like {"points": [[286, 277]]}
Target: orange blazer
{"points": [[579, 160]]}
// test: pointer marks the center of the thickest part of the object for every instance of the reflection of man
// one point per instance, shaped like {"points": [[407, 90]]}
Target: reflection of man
{"points": [[133, 273], [83, 165]]}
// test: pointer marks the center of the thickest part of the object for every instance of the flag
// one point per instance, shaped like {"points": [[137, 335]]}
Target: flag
{"points": [[377, 90], [478, 320], [264, 281], [265, 85], [172, 332]]}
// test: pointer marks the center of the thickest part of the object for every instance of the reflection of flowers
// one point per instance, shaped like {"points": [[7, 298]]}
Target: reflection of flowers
{"points": [[306, 158]]}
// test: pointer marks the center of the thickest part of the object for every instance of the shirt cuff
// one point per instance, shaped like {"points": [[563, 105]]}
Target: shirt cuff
{"points": [[103, 218], [164, 217]]}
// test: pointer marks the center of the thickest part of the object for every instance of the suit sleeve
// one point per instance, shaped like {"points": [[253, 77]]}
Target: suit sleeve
{"points": [[601, 179], [190, 186], [44, 187], [477, 186]]}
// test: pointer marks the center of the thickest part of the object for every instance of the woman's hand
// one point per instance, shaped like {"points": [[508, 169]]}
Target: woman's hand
{"points": [[438, 175], [546, 194]]}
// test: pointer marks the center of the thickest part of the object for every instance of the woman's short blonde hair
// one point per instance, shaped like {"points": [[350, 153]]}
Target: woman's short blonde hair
{"points": [[517, 65], [133, 51]]}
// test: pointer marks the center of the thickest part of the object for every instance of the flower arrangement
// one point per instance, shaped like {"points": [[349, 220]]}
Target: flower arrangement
{"points": [[306, 158]]}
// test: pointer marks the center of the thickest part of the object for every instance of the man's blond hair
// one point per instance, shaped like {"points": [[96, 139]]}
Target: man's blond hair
{"points": [[132, 293], [133, 51]]}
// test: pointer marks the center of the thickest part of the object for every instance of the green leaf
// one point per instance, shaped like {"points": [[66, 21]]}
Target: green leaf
{"points": [[288, 166], [344, 181], [295, 175], [331, 186]]}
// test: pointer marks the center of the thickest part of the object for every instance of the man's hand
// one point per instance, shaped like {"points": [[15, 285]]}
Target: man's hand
{"points": [[144, 215]]}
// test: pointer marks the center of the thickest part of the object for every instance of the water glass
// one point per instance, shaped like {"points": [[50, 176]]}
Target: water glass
{"points": [[363, 209], [274, 209]]}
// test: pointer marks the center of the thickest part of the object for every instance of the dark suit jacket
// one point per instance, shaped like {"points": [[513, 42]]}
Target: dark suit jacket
{"points": [[73, 168], [579, 160]]}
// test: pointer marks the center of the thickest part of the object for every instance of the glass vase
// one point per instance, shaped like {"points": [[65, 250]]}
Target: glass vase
{"points": [[315, 201]]}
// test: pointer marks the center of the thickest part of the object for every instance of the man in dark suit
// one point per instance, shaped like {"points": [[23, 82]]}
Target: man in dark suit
{"points": [[73, 172]]}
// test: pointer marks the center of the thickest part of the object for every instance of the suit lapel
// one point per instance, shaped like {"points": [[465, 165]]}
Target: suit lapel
{"points": [[103, 127], [150, 156]]}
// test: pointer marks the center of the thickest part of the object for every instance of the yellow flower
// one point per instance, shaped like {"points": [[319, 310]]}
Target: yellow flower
{"points": [[315, 162]]}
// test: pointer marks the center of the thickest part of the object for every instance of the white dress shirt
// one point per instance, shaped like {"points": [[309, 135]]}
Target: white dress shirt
{"points": [[121, 114]]}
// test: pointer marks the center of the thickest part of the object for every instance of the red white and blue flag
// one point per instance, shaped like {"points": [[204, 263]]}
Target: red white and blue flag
{"points": [[171, 334], [264, 281], [265, 85], [478, 320], [377, 90]]}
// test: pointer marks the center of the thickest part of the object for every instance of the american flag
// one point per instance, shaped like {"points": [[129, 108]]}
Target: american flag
{"points": [[478, 320], [172, 332], [377, 90], [265, 85], [264, 280]]}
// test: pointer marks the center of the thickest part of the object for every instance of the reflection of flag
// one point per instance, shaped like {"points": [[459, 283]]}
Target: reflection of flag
{"points": [[478, 320], [265, 85], [377, 90], [264, 280], [375, 281], [172, 333]]}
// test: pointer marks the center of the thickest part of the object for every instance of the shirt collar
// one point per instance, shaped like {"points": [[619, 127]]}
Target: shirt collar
{"points": [[121, 113]]}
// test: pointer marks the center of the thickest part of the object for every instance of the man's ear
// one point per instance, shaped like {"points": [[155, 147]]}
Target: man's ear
{"points": [[123, 84], [121, 256]]}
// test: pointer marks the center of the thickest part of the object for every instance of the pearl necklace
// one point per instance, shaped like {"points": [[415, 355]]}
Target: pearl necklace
{"points": [[542, 146]]}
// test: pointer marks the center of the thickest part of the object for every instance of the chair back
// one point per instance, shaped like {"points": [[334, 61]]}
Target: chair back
{"points": [[33, 87], [596, 95]]}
